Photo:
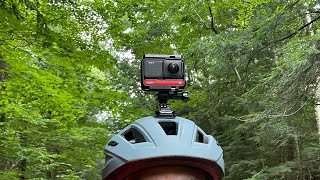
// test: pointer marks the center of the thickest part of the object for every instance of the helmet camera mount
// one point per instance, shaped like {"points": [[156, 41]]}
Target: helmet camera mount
{"points": [[164, 74], [165, 112]]}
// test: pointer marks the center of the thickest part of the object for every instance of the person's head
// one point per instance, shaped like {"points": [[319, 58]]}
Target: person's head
{"points": [[169, 173], [163, 149]]}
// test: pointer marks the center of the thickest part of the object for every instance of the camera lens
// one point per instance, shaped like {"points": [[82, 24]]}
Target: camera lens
{"points": [[173, 68]]}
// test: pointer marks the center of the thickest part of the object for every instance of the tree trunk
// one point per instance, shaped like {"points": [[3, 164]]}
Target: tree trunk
{"points": [[298, 154], [22, 166], [3, 65], [3, 76], [317, 90], [317, 94], [308, 17]]}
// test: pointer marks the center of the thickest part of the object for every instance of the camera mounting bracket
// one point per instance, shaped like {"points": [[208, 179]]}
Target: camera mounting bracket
{"points": [[162, 97]]}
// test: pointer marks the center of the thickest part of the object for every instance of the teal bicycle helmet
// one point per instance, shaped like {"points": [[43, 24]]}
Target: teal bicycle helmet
{"points": [[151, 142]]}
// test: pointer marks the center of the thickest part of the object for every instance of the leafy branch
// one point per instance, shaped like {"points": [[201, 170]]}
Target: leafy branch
{"points": [[270, 44]]}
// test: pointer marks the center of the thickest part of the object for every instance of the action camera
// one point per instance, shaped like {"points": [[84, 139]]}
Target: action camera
{"points": [[162, 73]]}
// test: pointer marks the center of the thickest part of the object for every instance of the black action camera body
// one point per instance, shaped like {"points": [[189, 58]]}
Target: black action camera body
{"points": [[163, 73]]}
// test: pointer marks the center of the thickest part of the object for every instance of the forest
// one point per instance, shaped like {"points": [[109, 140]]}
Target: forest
{"points": [[70, 80]]}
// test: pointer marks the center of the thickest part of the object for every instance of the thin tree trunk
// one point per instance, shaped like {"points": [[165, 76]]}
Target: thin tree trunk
{"points": [[22, 165], [3, 76], [308, 17], [298, 154], [317, 108], [3, 65]]}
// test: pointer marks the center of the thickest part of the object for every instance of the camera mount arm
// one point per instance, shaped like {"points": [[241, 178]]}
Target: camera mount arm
{"points": [[163, 97]]}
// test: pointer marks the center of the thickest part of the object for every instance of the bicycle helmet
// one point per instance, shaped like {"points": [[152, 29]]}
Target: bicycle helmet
{"points": [[151, 142]]}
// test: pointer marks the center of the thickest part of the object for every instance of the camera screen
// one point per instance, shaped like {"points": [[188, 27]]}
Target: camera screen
{"points": [[153, 68], [162, 73]]}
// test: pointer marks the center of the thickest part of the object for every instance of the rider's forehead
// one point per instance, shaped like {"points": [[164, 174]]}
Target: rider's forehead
{"points": [[169, 173]]}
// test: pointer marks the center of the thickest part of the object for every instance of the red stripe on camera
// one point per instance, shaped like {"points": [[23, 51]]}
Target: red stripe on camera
{"points": [[163, 82]]}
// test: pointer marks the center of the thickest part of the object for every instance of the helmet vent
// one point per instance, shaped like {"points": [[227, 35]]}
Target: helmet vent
{"points": [[170, 128], [201, 138], [112, 143], [107, 159], [133, 136]]}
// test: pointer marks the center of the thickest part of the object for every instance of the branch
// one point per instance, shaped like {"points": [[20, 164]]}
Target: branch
{"points": [[237, 73], [313, 12], [201, 21], [235, 69], [277, 41], [293, 34], [212, 24]]}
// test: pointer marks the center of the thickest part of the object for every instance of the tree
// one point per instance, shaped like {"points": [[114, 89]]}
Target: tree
{"points": [[51, 91]]}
